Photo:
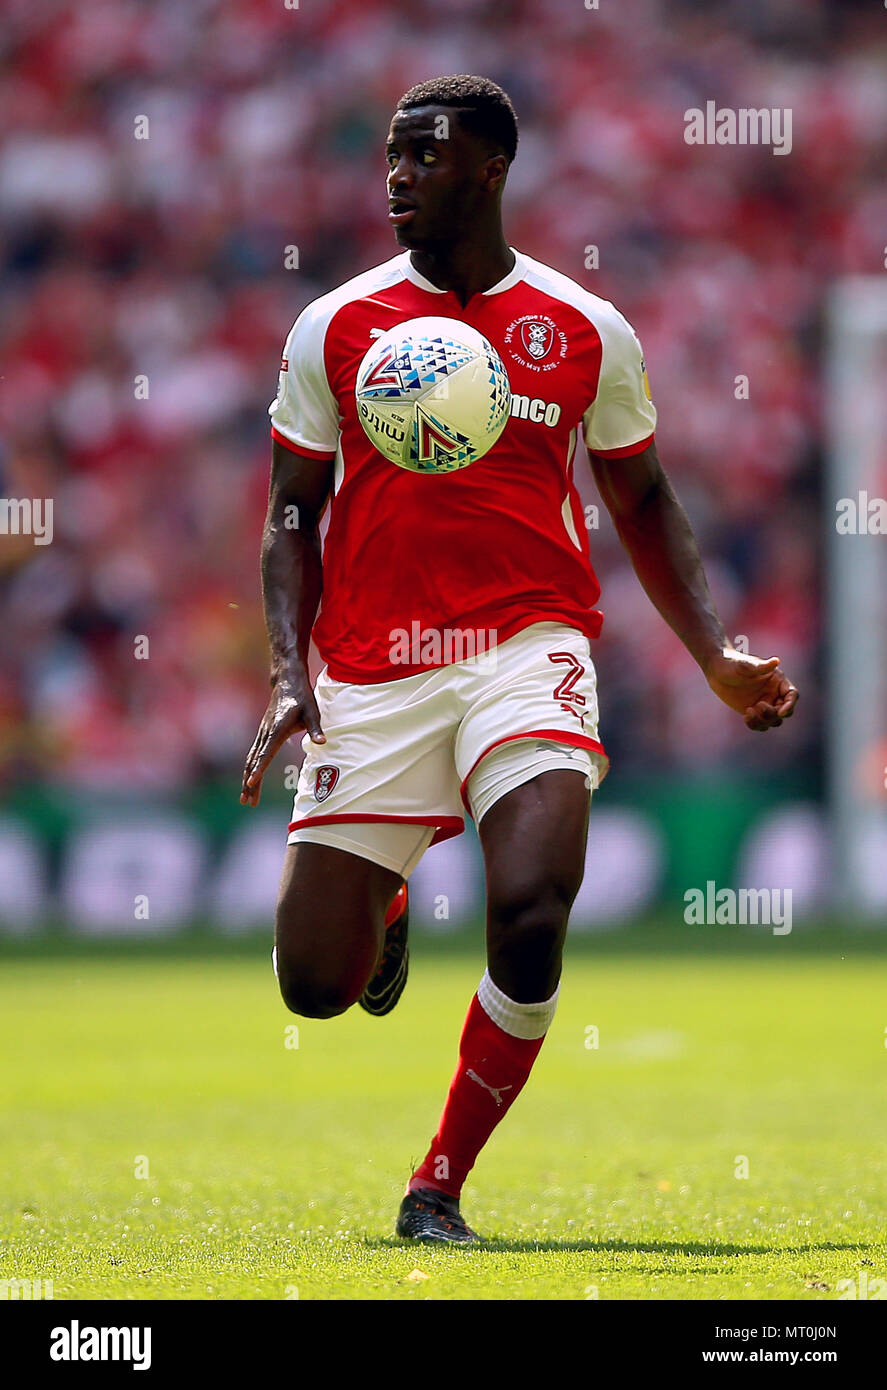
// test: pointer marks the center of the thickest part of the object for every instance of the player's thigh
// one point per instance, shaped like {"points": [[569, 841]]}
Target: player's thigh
{"points": [[533, 840], [329, 924]]}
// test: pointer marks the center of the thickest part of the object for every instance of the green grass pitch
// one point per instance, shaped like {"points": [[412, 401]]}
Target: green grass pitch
{"points": [[275, 1172]]}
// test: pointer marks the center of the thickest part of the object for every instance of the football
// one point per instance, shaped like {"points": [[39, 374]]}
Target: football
{"points": [[433, 395]]}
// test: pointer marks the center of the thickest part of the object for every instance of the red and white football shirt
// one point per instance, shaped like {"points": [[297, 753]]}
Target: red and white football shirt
{"points": [[493, 547]]}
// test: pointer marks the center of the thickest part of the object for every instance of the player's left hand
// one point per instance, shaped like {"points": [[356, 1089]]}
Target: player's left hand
{"points": [[758, 690]]}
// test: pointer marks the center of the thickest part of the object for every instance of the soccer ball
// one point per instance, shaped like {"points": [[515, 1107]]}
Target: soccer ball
{"points": [[433, 395]]}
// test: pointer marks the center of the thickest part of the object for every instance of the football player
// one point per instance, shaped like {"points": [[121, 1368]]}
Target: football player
{"points": [[402, 741]]}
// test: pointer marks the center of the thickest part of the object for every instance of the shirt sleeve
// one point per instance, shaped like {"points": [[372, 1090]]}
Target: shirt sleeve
{"points": [[304, 414], [622, 418]]}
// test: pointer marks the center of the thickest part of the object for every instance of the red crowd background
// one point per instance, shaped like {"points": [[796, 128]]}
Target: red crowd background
{"points": [[164, 258]]}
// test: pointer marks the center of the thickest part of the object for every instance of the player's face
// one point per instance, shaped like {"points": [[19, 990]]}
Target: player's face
{"points": [[436, 176]]}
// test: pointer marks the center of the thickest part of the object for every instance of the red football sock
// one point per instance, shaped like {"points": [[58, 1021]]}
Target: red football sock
{"points": [[493, 1067]]}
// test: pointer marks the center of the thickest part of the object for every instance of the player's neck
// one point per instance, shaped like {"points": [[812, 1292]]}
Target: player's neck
{"points": [[465, 268]]}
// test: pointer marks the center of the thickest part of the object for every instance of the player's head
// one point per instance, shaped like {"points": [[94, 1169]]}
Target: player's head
{"points": [[450, 143]]}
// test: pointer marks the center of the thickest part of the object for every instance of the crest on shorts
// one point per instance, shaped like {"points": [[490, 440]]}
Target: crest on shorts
{"points": [[537, 337], [325, 778]]}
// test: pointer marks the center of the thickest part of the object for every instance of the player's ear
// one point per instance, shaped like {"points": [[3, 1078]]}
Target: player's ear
{"points": [[494, 171]]}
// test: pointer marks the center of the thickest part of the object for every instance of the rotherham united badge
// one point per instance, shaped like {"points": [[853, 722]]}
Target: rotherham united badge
{"points": [[536, 342], [324, 780], [537, 337]]}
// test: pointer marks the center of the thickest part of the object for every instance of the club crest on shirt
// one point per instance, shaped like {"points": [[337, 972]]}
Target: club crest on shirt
{"points": [[537, 338], [535, 341], [325, 778]]}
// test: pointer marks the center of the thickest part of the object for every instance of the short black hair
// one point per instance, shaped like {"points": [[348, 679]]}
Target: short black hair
{"points": [[485, 110]]}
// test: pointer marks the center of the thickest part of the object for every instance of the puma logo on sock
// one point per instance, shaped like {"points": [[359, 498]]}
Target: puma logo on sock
{"points": [[495, 1092]]}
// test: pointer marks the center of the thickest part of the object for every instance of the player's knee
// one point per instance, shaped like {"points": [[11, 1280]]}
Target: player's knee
{"points": [[543, 903], [530, 919], [313, 997]]}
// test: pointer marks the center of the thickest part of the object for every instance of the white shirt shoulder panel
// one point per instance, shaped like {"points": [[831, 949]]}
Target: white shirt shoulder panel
{"points": [[304, 410], [622, 413]]}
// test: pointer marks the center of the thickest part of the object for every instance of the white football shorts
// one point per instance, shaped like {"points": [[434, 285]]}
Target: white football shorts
{"points": [[404, 759]]}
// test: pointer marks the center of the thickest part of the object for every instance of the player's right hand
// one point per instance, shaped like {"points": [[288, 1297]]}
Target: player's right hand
{"points": [[292, 708]]}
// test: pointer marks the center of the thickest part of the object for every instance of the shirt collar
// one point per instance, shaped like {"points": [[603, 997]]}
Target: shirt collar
{"points": [[516, 274]]}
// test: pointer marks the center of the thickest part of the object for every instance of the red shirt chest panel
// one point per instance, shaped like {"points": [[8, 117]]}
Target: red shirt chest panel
{"points": [[551, 352]]}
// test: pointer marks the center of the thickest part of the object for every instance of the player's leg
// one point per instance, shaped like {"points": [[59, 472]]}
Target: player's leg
{"points": [[329, 927], [529, 793], [364, 812], [534, 841]]}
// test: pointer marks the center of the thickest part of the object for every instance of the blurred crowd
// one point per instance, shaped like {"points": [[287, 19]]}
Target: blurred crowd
{"points": [[146, 297]]}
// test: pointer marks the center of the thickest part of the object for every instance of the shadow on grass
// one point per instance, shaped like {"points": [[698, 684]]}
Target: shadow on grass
{"points": [[653, 1247]]}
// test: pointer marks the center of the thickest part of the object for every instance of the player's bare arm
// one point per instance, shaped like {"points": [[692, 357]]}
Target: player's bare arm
{"points": [[655, 532], [291, 589]]}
